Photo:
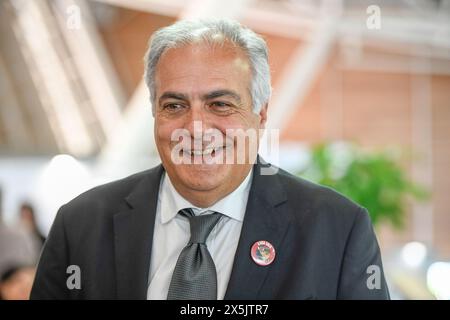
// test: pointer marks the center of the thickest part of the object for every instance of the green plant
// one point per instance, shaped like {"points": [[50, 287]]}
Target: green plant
{"points": [[374, 180]]}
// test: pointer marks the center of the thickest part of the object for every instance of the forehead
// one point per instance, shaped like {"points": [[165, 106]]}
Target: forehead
{"points": [[202, 66]]}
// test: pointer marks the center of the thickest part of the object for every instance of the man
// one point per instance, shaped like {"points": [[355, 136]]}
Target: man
{"points": [[204, 224]]}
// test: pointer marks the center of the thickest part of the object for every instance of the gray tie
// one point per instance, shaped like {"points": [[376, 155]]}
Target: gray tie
{"points": [[194, 276]]}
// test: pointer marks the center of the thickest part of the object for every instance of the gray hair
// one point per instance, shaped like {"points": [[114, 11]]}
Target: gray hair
{"points": [[185, 32]]}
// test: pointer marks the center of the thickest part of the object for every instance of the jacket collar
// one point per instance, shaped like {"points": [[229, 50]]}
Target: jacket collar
{"points": [[133, 237], [265, 219]]}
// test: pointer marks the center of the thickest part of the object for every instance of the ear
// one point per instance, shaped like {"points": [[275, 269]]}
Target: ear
{"points": [[263, 116]]}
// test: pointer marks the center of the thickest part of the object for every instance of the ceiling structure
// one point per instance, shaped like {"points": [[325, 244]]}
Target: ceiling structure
{"points": [[60, 91]]}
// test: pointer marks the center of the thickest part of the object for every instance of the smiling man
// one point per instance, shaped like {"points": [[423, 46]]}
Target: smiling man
{"points": [[209, 222]]}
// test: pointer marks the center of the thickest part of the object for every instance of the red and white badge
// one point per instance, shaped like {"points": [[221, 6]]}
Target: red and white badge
{"points": [[263, 253]]}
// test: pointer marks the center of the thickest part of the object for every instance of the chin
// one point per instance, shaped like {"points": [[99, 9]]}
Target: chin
{"points": [[202, 177]]}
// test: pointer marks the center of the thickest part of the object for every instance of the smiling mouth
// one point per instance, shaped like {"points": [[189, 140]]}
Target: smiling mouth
{"points": [[204, 152]]}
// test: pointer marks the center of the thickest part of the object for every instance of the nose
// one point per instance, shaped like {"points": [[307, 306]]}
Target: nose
{"points": [[202, 127], [197, 121]]}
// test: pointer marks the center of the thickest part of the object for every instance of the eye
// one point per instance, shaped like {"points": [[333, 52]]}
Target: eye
{"points": [[220, 105], [173, 107]]}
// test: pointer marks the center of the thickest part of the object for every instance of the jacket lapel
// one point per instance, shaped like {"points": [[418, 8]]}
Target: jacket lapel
{"points": [[263, 221], [133, 235]]}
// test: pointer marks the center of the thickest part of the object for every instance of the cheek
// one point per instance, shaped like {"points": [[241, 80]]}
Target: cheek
{"points": [[239, 121], [163, 140], [164, 130]]}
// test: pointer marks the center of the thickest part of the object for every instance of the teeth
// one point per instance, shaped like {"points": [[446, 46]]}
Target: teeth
{"points": [[202, 152]]}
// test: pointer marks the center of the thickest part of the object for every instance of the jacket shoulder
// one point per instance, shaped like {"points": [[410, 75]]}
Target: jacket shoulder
{"points": [[316, 198], [108, 198]]}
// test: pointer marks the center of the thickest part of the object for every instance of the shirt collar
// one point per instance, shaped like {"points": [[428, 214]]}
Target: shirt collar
{"points": [[233, 205]]}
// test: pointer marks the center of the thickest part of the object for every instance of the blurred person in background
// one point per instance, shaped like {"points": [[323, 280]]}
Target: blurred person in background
{"points": [[18, 255], [27, 219], [16, 283]]}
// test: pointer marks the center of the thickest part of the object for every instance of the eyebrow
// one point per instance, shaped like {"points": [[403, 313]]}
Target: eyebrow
{"points": [[173, 95], [207, 96], [221, 93]]}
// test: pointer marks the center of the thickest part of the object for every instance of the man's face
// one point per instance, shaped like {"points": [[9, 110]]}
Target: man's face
{"points": [[202, 88]]}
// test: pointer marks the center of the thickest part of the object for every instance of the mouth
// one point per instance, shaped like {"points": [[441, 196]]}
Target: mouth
{"points": [[211, 151]]}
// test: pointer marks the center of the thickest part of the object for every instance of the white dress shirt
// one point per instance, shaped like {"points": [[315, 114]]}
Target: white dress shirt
{"points": [[172, 233]]}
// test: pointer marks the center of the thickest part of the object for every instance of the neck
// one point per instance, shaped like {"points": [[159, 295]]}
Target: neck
{"points": [[203, 199], [207, 198]]}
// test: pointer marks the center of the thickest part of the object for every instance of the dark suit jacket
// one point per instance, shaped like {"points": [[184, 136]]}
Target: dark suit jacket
{"points": [[324, 243]]}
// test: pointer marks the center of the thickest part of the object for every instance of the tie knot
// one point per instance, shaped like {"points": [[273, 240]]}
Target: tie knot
{"points": [[201, 226]]}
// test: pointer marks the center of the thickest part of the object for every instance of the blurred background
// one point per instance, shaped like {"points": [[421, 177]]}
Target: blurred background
{"points": [[361, 99]]}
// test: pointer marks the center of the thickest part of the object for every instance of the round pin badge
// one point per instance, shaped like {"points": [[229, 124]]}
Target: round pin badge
{"points": [[263, 253]]}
